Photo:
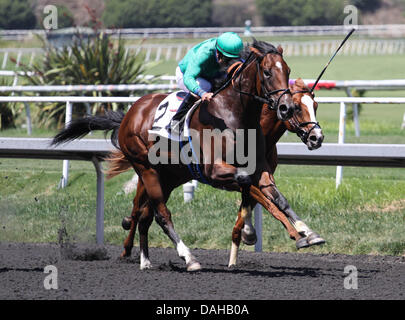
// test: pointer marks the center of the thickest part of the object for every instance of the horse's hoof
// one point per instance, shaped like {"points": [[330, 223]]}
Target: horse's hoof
{"points": [[315, 239], [146, 265], [243, 179], [249, 239], [126, 223], [125, 254], [193, 266], [302, 243]]}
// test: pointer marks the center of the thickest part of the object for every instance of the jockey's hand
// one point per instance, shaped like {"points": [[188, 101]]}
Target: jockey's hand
{"points": [[207, 96]]}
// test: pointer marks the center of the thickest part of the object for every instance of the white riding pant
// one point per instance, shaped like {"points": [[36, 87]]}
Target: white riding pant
{"points": [[204, 84]]}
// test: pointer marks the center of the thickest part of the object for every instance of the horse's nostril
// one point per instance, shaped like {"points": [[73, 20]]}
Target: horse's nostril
{"points": [[283, 108], [313, 138]]}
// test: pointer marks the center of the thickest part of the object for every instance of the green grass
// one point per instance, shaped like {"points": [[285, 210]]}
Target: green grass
{"points": [[365, 216]]}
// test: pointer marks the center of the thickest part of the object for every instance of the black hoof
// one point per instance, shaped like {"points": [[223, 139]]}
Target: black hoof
{"points": [[302, 243], [126, 223], [250, 239], [315, 239]]}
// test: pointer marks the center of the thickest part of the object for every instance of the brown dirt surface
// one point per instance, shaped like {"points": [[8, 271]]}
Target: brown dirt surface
{"points": [[93, 272]]}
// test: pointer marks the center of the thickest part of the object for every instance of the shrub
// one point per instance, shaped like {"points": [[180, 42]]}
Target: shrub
{"points": [[231, 14], [94, 60], [8, 110], [301, 12], [17, 14], [367, 5], [157, 13]]}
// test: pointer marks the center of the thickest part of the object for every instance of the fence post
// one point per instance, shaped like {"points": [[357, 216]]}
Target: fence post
{"points": [[341, 140], [65, 170], [258, 226], [100, 202], [188, 191], [3, 66], [29, 122]]}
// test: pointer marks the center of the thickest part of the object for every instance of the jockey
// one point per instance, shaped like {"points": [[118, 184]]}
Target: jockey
{"points": [[201, 64]]}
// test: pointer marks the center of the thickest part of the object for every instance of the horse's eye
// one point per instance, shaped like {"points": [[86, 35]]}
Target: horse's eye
{"points": [[267, 73]]}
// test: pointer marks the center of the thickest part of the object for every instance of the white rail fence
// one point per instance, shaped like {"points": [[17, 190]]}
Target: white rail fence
{"points": [[390, 30], [70, 100], [169, 83], [165, 52]]}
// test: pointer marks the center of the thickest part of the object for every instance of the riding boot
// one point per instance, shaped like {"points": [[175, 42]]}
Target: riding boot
{"points": [[181, 113]]}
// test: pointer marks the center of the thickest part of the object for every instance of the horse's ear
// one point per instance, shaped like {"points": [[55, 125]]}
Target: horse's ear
{"points": [[280, 50], [300, 83], [256, 52]]}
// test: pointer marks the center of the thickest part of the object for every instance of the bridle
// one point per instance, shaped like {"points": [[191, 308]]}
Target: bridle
{"points": [[267, 94], [302, 134], [267, 99]]}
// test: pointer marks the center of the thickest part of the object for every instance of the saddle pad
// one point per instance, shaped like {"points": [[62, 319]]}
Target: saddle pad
{"points": [[164, 114]]}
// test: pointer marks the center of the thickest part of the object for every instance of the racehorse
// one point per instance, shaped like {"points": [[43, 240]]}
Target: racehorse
{"points": [[304, 124], [262, 78]]}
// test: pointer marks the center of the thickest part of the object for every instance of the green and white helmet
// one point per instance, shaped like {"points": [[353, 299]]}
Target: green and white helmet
{"points": [[229, 44]]}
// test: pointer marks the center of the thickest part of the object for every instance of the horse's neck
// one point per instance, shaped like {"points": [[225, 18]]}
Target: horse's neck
{"points": [[272, 127], [238, 111]]}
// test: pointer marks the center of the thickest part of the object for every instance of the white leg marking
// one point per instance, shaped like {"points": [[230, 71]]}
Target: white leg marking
{"points": [[248, 228], [247, 218], [301, 227], [234, 255], [145, 263], [184, 252]]}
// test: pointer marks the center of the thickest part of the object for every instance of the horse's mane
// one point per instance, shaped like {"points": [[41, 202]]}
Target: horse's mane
{"points": [[262, 46]]}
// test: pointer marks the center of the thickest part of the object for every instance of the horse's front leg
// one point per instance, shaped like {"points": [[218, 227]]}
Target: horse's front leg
{"points": [[307, 236]]}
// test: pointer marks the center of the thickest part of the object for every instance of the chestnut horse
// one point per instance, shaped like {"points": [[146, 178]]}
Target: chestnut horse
{"points": [[263, 77], [304, 124]]}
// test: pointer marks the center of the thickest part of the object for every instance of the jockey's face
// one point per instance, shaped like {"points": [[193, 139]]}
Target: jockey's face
{"points": [[222, 60]]}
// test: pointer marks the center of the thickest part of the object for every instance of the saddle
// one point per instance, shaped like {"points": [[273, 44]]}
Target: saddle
{"points": [[168, 109]]}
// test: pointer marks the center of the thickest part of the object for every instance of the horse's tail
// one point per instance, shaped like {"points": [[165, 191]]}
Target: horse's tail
{"points": [[77, 129], [118, 163]]}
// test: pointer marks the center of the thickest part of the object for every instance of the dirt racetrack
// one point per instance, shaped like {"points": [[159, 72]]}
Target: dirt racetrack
{"points": [[86, 272]]}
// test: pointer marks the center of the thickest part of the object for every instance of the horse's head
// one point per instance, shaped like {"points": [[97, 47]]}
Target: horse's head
{"points": [[303, 122], [273, 74]]}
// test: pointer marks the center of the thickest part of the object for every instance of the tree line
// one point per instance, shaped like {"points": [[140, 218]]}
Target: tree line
{"points": [[19, 14]]}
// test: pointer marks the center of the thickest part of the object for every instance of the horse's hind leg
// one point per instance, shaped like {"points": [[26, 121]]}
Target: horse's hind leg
{"points": [[145, 220], [139, 200], [158, 197]]}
